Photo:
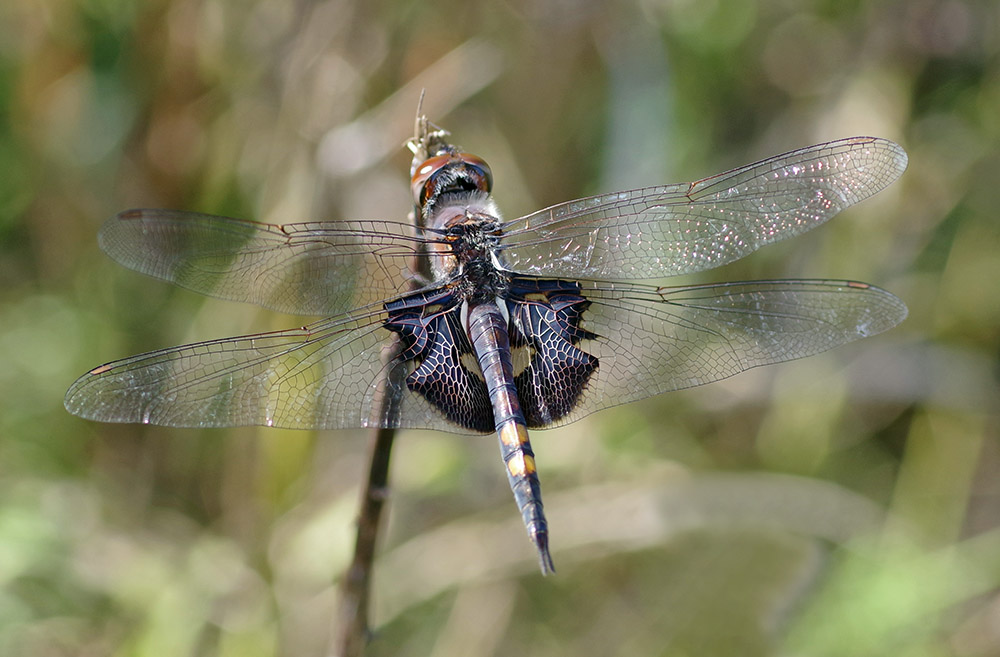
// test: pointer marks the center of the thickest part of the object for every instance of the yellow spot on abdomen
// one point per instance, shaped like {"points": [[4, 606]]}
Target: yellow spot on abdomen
{"points": [[521, 465], [513, 434], [516, 465]]}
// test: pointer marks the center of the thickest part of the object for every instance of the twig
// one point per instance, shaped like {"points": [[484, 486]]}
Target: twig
{"points": [[356, 587]]}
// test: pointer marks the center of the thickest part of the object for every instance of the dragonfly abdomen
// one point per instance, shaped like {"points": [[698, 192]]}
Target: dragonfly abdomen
{"points": [[487, 327]]}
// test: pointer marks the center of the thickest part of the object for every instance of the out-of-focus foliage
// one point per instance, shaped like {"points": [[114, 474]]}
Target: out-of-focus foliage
{"points": [[843, 505]]}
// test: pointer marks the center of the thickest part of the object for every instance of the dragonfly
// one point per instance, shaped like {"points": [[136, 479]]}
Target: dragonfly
{"points": [[459, 320]]}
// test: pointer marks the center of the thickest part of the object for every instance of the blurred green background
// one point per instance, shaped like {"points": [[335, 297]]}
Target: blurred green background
{"points": [[847, 504]]}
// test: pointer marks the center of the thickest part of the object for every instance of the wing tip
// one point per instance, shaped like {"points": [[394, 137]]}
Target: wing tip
{"points": [[894, 155]]}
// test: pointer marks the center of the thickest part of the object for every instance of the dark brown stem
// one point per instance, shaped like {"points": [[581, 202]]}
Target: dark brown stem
{"points": [[356, 586]]}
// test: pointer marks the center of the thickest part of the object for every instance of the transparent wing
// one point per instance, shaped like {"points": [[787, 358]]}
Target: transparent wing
{"points": [[304, 269], [680, 229], [329, 375], [653, 340]]}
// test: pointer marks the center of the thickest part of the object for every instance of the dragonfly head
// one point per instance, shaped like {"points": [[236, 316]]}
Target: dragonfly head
{"points": [[447, 173]]}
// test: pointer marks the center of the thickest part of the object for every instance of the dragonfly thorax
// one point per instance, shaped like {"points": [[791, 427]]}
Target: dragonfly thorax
{"points": [[467, 250], [476, 272], [481, 280]]}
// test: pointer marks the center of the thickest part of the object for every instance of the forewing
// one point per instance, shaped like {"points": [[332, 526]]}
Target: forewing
{"points": [[330, 375], [680, 229], [305, 269], [652, 340]]}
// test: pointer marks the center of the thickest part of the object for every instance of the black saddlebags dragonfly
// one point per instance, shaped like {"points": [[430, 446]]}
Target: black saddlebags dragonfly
{"points": [[463, 321]]}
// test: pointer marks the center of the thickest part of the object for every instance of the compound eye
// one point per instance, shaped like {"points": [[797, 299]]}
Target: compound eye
{"points": [[424, 173], [476, 164]]}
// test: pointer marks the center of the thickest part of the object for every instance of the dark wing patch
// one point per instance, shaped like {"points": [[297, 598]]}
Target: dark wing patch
{"points": [[545, 320], [439, 349]]}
